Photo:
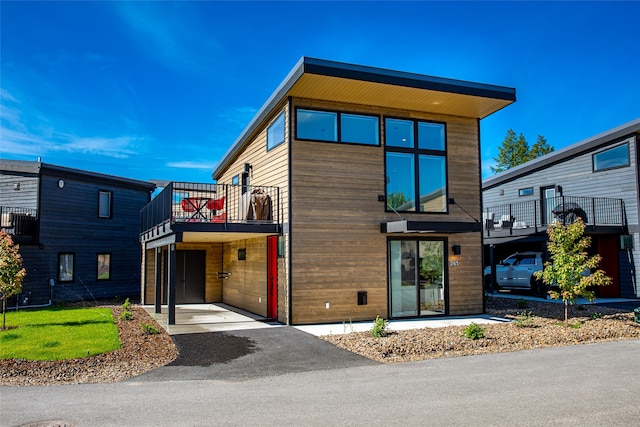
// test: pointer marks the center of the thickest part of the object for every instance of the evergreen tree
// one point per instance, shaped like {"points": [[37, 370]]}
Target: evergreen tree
{"points": [[515, 150]]}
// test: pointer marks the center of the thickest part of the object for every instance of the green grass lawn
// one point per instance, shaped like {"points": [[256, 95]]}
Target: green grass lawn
{"points": [[58, 333]]}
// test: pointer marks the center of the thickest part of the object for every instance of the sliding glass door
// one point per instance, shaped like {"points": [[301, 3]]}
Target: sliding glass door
{"points": [[416, 277]]}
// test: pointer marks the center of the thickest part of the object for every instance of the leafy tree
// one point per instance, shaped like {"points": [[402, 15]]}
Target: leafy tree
{"points": [[396, 199], [11, 271], [569, 262], [515, 150]]}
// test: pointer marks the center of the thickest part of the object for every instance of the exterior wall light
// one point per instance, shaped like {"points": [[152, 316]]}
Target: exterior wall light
{"points": [[456, 249]]}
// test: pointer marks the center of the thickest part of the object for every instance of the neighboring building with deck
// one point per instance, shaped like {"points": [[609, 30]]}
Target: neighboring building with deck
{"points": [[354, 192], [77, 230], [595, 179]]}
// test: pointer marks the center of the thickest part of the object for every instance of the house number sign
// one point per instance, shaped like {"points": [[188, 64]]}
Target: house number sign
{"points": [[453, 263]]}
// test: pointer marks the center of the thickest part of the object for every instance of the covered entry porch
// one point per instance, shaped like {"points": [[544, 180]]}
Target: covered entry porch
{"points": [[197, 252]]}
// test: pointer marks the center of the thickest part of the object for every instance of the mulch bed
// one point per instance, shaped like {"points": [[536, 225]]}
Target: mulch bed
{"points": [[138, 354]]}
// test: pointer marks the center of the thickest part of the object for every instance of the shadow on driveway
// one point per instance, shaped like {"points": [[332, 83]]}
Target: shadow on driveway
{"points": [[252, 353]]}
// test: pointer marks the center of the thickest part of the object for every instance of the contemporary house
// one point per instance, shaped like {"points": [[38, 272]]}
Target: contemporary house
{"points": [[77, 231], [596, 180], [354, 192]]}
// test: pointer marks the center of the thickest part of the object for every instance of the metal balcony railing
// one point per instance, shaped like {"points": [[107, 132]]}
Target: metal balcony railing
{"points": [[212, 203], [565, 209], [19, 221]]}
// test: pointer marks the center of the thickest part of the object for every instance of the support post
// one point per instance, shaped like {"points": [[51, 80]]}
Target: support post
{"points": [[158, 282], [172, 283]]}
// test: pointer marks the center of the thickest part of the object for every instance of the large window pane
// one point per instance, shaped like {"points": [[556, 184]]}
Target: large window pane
{"points": [[401, 188], [402, 278], [432, 184], [431, 136], [317, 125], [431, 275], [275, 133], [399, 133], [104, 266], [613, 158], [359, 129]]}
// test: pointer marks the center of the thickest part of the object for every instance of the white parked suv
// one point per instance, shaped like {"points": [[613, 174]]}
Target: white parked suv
{"points": [[516, 272]]}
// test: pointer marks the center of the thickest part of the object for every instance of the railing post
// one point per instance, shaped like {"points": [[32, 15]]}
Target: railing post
{"points": [[226, 203], [593, 210]]}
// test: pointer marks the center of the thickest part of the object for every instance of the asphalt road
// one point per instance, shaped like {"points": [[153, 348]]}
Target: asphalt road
{"points": [[586, 385]]}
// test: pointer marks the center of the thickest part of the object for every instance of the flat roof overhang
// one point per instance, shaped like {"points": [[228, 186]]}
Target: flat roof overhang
{"points": [[405, 226], [331, 81]]}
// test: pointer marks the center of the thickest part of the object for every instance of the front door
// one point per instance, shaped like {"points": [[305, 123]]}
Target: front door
{"points": [[416, 277], [547, 202], [272, 277], [190, 276]]}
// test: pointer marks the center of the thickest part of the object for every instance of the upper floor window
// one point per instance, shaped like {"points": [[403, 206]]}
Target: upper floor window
{"points": [[275, 132], [616, 157], [525, 192], [416, 165], [337, 127], [104, 203]]}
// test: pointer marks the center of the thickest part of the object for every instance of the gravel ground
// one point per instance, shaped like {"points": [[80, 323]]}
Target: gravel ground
{"points": [[138, 354], [141, 353], [546, 328]]}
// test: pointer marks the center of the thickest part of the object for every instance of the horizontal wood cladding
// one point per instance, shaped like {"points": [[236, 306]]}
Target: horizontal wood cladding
{"points": [[148, 289], [213, 285], [337, 248], [18, 191], [246, 287], [465, 278]]}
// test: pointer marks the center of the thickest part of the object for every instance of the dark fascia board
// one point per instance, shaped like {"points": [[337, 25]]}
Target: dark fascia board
{"points": [[22, 166], [590, 144], [363, 73]]}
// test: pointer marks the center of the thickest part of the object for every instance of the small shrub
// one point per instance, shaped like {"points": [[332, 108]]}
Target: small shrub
{"points": [[576, 325], [149, 329], [523, 303], [379, 328], [474, 331], [126, 315], [525, 319], [126, 305], [596, 315]]}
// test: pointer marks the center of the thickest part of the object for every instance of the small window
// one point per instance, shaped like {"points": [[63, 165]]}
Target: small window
{"points": [[235, 180], [104, 266], [242, 254], [616, 157], [399, 133], [104, 204], [66, 263], [525, 192], [275, 132], [317, 125]]}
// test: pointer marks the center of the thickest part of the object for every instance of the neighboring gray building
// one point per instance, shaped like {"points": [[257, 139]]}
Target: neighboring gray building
{"points": [[77, 230], [596, 179]]}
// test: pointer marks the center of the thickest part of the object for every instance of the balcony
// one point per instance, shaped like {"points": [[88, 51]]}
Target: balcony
{"points": [[211, 208], [533, 216], [21, 223]]}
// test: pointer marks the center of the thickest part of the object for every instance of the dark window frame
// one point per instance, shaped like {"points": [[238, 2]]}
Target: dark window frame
{"points": [[73, 267], [339, 114], [524, 192], [110, 193], [235, 180], [284, 131], [98, 266], [416, 152], [593, 158]]}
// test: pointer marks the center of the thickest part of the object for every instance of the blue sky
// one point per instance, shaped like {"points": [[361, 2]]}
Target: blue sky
{"points": [[160, 90]]}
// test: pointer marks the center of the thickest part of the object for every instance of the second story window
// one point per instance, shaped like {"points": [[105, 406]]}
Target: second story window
{"points": [[616, 157], [275, 132], [104, 204], [416, 165], [330, 126]]}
